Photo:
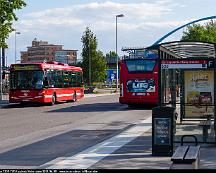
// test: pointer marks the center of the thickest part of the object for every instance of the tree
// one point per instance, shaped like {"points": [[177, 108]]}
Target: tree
{"points": [[111, 54], [197, 32], [97, 60], [111, 59], [100, 66], [7, 16]]}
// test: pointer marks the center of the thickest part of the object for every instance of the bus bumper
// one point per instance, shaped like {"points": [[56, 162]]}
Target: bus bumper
{"points": [[33, 100], [138, 100]]}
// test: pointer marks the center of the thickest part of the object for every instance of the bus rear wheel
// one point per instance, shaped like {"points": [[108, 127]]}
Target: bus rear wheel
{"points": [[23, 103], [132, 106]]}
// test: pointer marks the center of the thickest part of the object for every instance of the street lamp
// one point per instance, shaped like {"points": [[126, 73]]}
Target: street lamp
{"points": [[120, 15], [15, 45], [89, 62], [1, 76]]}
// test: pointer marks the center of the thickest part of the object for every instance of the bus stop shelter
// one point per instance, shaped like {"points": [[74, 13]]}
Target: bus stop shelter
{"points": [[187, 73]]}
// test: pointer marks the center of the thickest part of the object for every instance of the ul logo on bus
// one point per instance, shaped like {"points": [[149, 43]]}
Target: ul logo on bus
{"points": [[140, 85]]}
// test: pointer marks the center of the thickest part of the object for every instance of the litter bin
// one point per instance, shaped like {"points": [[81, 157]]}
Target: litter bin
{"points": [[163, 129]]}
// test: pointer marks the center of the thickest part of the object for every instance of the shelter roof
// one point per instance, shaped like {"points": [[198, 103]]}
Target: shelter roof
{"points": [[182, 49]]}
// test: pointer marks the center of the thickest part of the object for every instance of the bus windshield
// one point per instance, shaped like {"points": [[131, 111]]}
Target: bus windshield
{"points": [[26, 80], [140, 65]]}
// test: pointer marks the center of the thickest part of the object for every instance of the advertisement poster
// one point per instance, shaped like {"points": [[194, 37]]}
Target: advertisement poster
{"points": [[141, 85], [199, 92], [162, 131]]}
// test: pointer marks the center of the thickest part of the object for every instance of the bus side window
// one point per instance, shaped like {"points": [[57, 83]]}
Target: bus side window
{"points": [[73, 79], [79, 79], [46, 83], [70, 82], [66, 79], [57, 78], [48, 79], [82, 79]]}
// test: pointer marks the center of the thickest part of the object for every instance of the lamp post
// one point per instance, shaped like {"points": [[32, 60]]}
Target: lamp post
{"points": [[0, 75], [120, 15], [15, 45], [89, 62]]}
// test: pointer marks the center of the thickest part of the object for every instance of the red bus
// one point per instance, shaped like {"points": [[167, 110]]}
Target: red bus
{"points": [[139, 81], [47, 82]]}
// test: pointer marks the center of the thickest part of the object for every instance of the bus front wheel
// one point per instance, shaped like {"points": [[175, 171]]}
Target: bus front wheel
{"points": [[74, 97], [53, 101]]}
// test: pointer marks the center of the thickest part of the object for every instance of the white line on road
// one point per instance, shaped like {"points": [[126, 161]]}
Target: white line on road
{"points": [[98, 95], [92, 155]]}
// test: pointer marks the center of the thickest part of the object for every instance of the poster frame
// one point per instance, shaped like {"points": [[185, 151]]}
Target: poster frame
{"points": [[184, 89]]}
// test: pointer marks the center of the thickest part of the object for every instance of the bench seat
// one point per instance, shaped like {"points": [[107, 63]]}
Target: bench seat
{"points": [[186, 157]]}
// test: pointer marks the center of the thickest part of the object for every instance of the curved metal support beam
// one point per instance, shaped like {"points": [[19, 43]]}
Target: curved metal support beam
{"points": [[168, 34]]}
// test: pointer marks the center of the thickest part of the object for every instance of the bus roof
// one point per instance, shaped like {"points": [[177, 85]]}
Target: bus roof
{"points": [[43, 66]]}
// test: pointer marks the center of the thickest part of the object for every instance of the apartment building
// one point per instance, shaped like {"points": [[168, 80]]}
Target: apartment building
{"points": [[66, 56], [41, 51], [24, 56]]}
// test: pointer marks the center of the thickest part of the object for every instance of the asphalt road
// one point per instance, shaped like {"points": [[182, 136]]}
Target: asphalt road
{"points": [[33, 135]]}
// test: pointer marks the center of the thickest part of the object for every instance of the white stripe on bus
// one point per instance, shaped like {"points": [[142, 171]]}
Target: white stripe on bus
{"points": [[38, 97], [61, 95]]}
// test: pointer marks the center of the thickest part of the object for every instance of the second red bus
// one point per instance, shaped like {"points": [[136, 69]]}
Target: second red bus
{"points": [[139, 81]]}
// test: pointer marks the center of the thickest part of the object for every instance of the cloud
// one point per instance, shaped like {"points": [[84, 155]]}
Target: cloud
{"points": [[144, 21], [108, 8], [98, 14]]}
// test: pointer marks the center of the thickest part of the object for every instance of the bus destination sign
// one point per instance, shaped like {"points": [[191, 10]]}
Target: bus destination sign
{"points": [[26, 67], [184, 64]]}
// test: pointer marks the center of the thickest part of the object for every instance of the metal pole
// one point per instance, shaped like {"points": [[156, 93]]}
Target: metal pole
{"points": [[15, 45], [116, 59], [3, 58], [45, 54], [0, 76], [89, 62], [214, 97], [120, 15], [15, 49], [6, 60]]}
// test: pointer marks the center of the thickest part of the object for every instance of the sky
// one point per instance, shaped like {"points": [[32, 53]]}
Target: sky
{"points": [[64, 22]]}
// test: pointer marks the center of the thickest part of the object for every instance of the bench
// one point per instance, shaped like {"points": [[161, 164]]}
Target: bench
{"points": [[186, 157]]}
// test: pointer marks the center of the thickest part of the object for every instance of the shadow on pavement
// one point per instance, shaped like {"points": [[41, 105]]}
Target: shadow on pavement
{"points": [[17, 105], [137, 154], [94, 107], [27, 104], [141, 107], [41, 152]]}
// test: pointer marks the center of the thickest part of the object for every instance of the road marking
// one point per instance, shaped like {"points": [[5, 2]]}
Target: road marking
{"points": [[98, 95], [92, 155]]}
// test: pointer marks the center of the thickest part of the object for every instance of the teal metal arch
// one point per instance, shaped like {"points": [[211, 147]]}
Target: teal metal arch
{"points": [[195, 21]]}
